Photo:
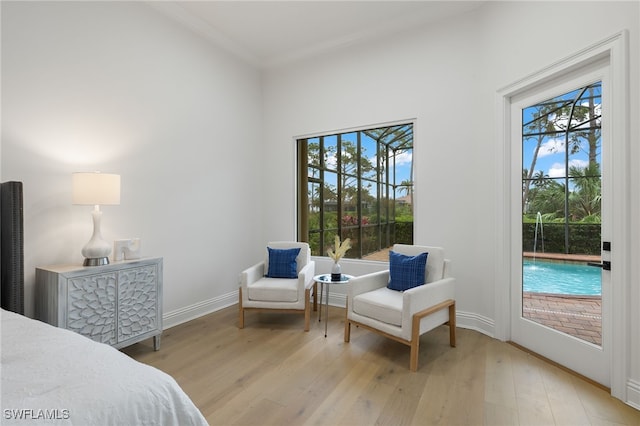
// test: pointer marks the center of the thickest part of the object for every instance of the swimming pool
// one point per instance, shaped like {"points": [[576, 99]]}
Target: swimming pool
{"points": [[561, 278]]}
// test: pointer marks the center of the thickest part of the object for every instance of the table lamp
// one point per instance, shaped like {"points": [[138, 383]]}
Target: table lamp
{"points": [[96, 188]]}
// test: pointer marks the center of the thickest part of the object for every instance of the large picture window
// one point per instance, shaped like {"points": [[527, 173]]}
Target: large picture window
{"points": [[357, 185]]}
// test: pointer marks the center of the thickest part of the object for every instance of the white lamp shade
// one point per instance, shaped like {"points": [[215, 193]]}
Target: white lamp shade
{"points": [[96, 188]]}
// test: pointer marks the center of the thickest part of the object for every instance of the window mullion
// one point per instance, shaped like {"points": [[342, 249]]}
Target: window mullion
{"points": [[359, 194], [339, 183], [321, 221]]}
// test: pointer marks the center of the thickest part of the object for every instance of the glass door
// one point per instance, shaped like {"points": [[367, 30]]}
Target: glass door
{"points": [[560, 286]]}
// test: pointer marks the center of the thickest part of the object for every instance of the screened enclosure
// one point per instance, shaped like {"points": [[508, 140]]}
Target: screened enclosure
{"points": [[356, 185]]}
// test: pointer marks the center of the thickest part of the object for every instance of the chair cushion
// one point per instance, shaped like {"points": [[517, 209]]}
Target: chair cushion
{"points": [[282, 263], [273, 290], [405, 271], [382, 304]]}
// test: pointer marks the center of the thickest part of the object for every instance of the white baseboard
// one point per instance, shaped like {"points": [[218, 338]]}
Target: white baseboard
{"points": [[335, 299], [188, 313], [475, 322], [633, 394]]}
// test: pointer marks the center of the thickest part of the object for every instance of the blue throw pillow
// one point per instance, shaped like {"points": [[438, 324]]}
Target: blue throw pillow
{"points": [[406, 272], [282, 263]]}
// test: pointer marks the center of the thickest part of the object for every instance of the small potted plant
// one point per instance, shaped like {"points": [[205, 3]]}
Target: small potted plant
{"points": [[336, 254]]}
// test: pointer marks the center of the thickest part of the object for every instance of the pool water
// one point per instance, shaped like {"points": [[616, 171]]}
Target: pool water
{"points": [[561, 278]]}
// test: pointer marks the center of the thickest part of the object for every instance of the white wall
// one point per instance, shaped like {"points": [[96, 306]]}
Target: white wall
{"points": [[118, 87], [447, 77]]}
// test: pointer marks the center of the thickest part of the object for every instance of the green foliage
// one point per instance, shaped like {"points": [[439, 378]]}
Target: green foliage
{"points": [[404, 213], [584, 238], [403, 233]]}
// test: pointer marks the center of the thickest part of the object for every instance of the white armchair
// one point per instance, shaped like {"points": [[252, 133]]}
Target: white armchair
{"points": [[261, 292], [404, 315]]}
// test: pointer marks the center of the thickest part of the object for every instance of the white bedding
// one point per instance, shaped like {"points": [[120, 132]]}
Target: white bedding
{"points": [[54, 376]]}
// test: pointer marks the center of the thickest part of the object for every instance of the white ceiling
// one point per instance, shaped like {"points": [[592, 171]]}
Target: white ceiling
{"points": [[270, 33]]}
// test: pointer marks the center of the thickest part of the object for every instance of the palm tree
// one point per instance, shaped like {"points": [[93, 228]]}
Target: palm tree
{"points": [[549, 199], [406, 187], [539, 129], [585, 200]]}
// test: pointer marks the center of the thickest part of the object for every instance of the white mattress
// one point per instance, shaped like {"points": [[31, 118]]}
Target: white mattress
{"points": [[54, 376]]}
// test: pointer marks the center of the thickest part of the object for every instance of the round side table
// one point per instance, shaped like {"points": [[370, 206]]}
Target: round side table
{"points": [[326, 279]]}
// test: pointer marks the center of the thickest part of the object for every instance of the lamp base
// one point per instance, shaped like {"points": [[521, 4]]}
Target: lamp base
{"points": [[95, 252], [95, 261]]}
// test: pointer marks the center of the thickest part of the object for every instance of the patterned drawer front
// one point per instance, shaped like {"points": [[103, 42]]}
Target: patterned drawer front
{"points": [[91, 306], [137, 301]]}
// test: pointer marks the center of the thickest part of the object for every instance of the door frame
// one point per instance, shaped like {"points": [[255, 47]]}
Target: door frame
{"points": [[615, 48]]}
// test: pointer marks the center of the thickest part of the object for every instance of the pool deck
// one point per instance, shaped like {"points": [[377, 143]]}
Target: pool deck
{"points": [[561, 257], [383, 256], [578, 316]]}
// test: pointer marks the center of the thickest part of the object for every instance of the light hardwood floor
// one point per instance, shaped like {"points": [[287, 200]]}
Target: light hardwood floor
{"points": [[273, 373]]}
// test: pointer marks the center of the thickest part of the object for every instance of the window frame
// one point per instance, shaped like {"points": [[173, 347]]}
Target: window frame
{"points": [[384, 178]]}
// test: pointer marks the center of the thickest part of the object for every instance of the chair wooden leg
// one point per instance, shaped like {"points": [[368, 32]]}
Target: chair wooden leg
{"points": [[241, 311], [347, 330], [415, 349], [315, 297], [347, 323], [415, 339], [307, 309], [415, 344], [452, 324]]}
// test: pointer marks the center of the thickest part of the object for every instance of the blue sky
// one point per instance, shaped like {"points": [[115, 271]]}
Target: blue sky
{"points": [[403, 160], [551, 156]]}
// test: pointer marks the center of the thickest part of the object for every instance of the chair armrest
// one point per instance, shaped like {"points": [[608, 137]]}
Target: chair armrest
{"points": [[421, 297], [305, 277], [368, 282], [251, 275], [446, 273]]}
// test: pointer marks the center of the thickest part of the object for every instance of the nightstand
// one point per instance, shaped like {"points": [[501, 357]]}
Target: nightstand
{"points": [[118, 304]]}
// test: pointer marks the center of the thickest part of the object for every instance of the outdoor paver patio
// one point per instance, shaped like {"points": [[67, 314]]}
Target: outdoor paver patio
{"points": [[578, 316]]}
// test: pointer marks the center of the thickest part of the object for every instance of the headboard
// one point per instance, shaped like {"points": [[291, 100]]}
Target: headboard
{"points": [[12, 247]]}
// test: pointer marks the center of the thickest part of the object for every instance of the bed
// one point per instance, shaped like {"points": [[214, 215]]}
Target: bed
{"points": [[50, 375], [49, 372]]}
